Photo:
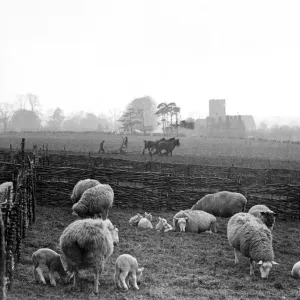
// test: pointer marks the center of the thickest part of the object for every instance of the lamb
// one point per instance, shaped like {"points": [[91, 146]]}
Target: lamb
{"points": [[163, 225], [195, 221], [126, 269], [135, 219], [146, 222], [87, 244], [80, 187], [222, 204], [3, 190], [95, 201], [296, 270], [250, 236], [51, 259], [265, 214]]}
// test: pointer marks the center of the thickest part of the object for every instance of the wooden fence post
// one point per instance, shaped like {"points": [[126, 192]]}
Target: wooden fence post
{"points": [[2, 259]]}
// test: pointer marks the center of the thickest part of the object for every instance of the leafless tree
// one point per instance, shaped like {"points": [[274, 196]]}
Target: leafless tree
{"points": [[33, 101], [5, 114]]}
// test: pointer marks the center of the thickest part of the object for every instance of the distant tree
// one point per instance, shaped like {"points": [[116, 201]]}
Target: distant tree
{"points": [[130, 118], [24, 119], [72, 123], [115, 114], [21, 102], [5, 114], [89, 123], [56, 120], [33, 101]]}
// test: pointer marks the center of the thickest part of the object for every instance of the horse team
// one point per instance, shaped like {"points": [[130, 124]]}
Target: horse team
{"points": [[156, 147]]}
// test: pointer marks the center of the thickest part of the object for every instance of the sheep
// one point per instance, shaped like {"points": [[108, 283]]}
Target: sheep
{"points": [[145, 222], [265, 214], [195, 221], [3, 190], [51, 259], [80, 187], [126, 268], [95, 201], [296, 270], [87, 244], [135, 219], [163, 225], [250, 236], [222, 204]]}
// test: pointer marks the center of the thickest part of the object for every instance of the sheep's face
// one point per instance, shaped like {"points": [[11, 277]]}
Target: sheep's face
{"points": [[115, 235], [139, 275], [161, 223], [182, 224], [265, 267], [268, 218], [148, 216], [134, 220]]}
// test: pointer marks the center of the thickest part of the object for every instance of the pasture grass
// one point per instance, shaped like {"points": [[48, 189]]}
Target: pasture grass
{"points": [[177, 266]]}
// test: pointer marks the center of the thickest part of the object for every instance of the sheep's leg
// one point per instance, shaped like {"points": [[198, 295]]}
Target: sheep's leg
{"points": [[75, 279], [96, 281], [236, 259], [40, 275], [123, 276], [134, 281], [127, 281], [213, 227], [36, 275], [117, 279], [52, 279], [252, 266]]}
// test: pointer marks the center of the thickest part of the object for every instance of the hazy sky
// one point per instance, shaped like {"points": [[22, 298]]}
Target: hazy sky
{"points": [[98, 55]]}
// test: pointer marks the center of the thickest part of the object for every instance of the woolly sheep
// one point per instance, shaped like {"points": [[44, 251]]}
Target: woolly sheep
{"points": [[80, 187], [135, 219], [146, 221], [51, 259], [127, 269], [250, 236], [3, 189], [95, 201], [87, 244], [265, 214], [163, 225], [196, 221], [222, 204], [296, 270]]}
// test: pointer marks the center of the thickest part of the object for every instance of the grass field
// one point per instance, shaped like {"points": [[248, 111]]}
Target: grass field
{"points": [[177, 266], [192, 150]]}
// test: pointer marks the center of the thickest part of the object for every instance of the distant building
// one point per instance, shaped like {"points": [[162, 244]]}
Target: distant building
{"points": [[217, 108]]}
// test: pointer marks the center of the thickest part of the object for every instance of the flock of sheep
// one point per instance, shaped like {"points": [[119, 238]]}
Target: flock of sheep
{"points": [[88, 242]]}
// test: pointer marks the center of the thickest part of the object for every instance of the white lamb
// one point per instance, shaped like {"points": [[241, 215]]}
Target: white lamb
{"points": [[195, 221], [146, 222], [51, 259], [296, 270], [127, 269], [163, 225], [87, 244], [135, 219], [265, 214], [3, 190], [250, 236], [95, 201], [80, 187]]}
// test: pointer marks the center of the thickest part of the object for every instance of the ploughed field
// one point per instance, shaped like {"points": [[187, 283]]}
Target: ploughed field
{"points": [[177, 265], [197, 150]]}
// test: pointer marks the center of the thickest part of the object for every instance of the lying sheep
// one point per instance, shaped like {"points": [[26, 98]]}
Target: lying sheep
{"points": [[80, 187], [250, 236], [51, 259], [195, 221], [163, 225], [222, 204], [145, 222], [127, 269], [95, 201], [296, 270], [265, 214], [135, 219], [87, 244], [3, 190]]}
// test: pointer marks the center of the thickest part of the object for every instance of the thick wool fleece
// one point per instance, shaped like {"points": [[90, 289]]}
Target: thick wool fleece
{"points": [[94, 201], [222, 204], [80, 187], [268, 217], [251, 237], [199, 221]]}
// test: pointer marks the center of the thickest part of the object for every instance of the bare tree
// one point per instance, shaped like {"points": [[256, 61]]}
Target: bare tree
{"points": [[33, 101], [5, 114], [21, 101]]}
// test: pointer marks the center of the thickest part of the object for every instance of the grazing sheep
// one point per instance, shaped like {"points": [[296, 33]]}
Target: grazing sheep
{"points": [[95, 201], [222, 204], [135, 219], [163, 225], [195, 221], [127, 269], [296, 270], [51, 259], [87, 244], [3, 190], [80, 187], [265, 214], [145, 222], [250, 236], [148, 216]]}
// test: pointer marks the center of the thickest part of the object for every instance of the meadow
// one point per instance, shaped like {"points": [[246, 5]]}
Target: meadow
{"points": [[177, 265]]}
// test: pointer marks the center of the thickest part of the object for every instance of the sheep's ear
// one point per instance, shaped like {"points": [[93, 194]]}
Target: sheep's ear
{"points": [[274, 262], [260, 262]]}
